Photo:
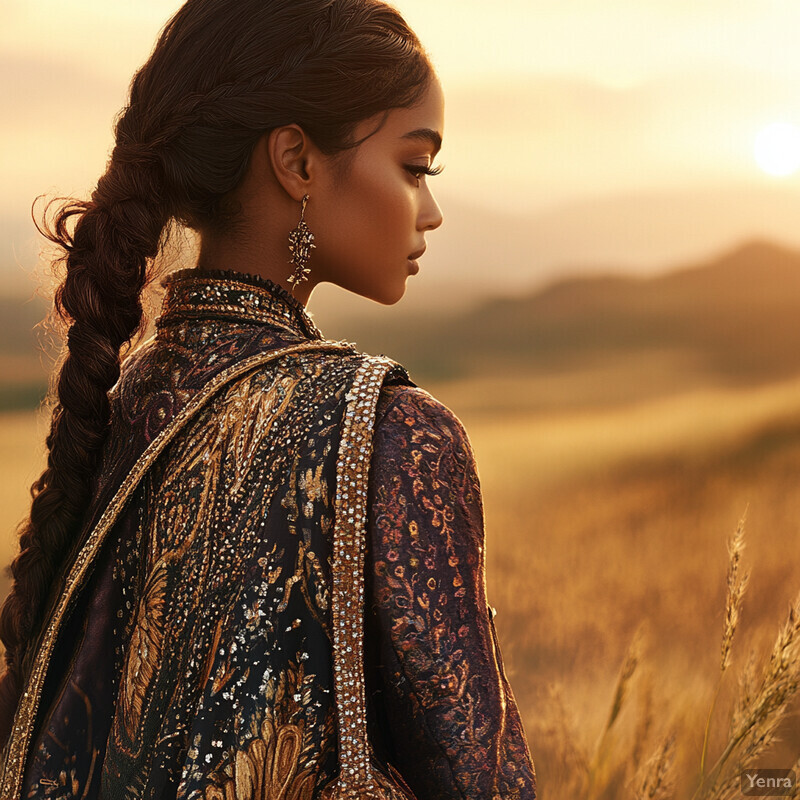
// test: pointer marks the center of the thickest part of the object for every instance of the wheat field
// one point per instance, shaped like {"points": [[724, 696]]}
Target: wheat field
{"points": [[607, 526]]}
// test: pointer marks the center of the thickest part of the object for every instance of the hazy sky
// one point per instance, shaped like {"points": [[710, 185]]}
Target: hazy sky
{"points": [[547, 102]]}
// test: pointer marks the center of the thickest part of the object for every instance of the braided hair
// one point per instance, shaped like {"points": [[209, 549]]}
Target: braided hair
{"points": [[222, 73]]}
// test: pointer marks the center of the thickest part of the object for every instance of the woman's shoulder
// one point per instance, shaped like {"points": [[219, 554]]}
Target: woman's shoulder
{"points": [[413, 415]]}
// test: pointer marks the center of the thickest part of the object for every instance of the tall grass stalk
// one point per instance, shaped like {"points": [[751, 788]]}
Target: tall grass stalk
{"points": [[735, 587], [756, 727], [598, 761]]}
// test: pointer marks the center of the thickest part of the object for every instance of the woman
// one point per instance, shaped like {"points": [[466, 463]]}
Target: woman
{"points": [[176, 627]]}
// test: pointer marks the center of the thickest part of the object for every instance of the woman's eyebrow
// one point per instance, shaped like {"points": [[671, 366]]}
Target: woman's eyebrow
{"points": [[426, 135]]}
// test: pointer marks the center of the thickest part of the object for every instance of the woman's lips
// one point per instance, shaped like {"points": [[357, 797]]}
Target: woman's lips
{"points": [[412, 259]]}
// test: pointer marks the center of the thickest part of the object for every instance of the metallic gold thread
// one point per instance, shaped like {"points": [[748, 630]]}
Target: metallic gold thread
{"points": [[15, 753]]}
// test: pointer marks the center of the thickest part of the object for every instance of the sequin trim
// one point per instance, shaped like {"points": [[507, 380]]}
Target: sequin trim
{"points": [[16, 751], [359, 775]]}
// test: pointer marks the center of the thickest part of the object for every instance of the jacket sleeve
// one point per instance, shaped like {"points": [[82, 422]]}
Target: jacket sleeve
{"points": [[448, 718]]}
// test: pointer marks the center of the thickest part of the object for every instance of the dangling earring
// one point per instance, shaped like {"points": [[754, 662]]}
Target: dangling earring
{"points": [[301, 240]]}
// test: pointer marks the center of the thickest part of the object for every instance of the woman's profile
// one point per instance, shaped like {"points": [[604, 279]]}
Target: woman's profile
{"points": [[254, 564]]}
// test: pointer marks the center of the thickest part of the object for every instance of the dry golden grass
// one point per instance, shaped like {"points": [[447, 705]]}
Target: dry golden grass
{"points": [[22, 458], [615, 768]]}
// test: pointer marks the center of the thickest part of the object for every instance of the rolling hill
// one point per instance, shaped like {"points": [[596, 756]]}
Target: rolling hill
{"points": [[735, 317]]}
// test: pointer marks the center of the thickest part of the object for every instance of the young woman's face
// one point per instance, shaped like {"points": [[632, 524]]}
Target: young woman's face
{"points": [[369, 224]]}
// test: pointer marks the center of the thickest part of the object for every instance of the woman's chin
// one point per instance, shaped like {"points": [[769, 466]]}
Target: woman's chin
{"points": [[386, 293], [393, 294]]}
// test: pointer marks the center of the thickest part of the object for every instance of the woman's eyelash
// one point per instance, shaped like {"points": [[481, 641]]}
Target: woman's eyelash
{"points": [[416, 169]]}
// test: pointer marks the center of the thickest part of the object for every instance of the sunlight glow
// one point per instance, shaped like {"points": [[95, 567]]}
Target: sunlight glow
{"points": [[777, 149]]}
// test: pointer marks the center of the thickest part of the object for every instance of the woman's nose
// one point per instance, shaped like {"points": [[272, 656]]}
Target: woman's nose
{"points": [[431, 215]]}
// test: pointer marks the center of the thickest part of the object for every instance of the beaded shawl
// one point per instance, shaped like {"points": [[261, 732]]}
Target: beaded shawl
{"points": [[191, 649]]}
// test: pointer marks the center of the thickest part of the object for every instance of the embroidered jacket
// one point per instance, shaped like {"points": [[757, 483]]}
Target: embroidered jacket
{"points": [[189, 646]]}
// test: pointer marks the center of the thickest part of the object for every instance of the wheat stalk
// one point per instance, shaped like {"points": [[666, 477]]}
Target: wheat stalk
{"points": [[645, 724], [735, 587], [631, 661], [747, 685], [658, 780], [758, 719]]}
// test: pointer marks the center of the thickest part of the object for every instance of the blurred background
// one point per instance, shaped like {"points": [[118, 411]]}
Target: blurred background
{"points": [[611, 307]]}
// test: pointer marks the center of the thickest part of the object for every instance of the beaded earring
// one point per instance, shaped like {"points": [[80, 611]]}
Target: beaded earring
{"points": [[301, 240]]}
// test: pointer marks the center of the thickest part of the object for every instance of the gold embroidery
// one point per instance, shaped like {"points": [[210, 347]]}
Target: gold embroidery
{"points": [[251, 419], [16, 750], [192, 293], [144, 652], [270, 767]]}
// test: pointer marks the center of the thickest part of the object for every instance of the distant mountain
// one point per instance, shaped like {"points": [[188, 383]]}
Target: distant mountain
{"points": [[737, 317]]}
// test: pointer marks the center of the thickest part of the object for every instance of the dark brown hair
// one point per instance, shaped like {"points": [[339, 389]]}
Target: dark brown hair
{"points": [[222, 73]]}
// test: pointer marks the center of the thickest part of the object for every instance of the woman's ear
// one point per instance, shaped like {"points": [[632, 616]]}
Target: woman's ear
{"points": [[293, 158]]}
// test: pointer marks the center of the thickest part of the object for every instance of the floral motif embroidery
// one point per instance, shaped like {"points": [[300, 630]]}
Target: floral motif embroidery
{"points": [[270, 766], [455, 729]]}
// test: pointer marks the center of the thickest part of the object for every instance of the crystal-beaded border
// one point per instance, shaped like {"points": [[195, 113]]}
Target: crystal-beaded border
{"points": [[16, 751], [356, 777]]}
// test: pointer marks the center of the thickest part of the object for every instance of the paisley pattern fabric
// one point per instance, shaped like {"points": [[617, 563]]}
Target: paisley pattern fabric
{"points": [[443, 689], [196, 661]]}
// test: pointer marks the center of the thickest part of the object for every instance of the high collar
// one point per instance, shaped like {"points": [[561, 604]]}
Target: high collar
{"points": [[220, 294]]}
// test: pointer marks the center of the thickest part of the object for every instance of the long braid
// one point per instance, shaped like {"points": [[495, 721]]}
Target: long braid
{"points": [[116, 234]]}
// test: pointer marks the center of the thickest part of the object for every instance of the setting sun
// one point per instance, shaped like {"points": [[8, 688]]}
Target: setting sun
{"points": [[777, 149]]}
